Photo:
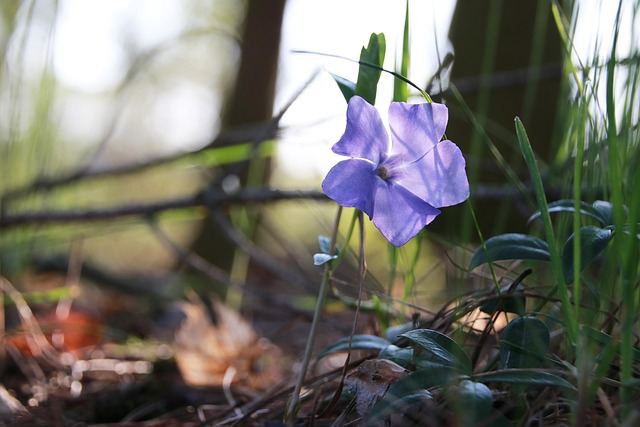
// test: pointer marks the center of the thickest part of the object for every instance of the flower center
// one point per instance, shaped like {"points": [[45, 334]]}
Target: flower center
{"points": [[382, 172]]}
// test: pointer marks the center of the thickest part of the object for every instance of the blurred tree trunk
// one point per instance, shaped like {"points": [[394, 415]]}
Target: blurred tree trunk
{"points": [[508, 62], [250, 102], [252, 98]]}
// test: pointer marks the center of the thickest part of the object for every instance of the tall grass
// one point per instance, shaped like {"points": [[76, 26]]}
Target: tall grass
{"points": [[602, 140]]}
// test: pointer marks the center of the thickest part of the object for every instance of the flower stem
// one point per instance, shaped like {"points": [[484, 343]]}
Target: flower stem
{"points": [[294, 401]]}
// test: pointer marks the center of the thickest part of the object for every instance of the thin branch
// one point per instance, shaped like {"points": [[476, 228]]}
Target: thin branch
{"points": [[216, 197], [213, 198], [258, 254], [216, 274], [196, 262], [224, 139], [509, 78]]}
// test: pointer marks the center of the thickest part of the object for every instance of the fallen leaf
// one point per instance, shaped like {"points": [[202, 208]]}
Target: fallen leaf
{"points": [[371, 380], [206, 352]]}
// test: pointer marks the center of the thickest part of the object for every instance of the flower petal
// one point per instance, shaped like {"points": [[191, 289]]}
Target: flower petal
{"points": [[439, 178], [399, 215], [416, 128], [365, 136], [352, 183]]}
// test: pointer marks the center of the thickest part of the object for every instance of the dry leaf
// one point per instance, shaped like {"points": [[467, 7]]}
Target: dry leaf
{"points": [[9, 404], [206, 352], [371, 380]]}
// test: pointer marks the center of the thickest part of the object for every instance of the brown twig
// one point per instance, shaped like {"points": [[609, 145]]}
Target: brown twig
{"points": [[209, 197], [217, 274], [225, 139], [212, 197]]}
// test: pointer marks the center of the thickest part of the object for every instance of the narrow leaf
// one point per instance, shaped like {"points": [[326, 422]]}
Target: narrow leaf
{"points": [[347, 87], [606, 341], [400, 87], [571, 320], [235, 153], [511, 246], [599, 210]]}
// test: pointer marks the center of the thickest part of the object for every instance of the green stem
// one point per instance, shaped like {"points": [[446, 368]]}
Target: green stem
{"points": [[577, 216], [484, 246], [410, 278], [294, 401]]}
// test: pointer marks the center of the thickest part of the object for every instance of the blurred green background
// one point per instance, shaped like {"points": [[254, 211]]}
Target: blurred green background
{"points": [[164, 93]]}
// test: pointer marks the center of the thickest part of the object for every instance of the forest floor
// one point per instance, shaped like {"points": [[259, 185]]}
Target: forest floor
{"points": [[107, 358]]}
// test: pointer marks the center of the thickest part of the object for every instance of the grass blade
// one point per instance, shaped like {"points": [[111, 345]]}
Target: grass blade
{"points": [[556, 261]]}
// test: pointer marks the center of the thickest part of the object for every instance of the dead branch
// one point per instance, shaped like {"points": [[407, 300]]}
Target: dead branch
{"points": [[210, 197]]}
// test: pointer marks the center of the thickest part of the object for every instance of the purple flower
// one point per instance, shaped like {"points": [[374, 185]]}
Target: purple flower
{"points": [[400, 183]]}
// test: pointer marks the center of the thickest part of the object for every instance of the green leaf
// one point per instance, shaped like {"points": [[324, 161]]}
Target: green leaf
{"points": [[425, 361], [511, 246], [472, 402], [235, 153], [440, 347], [529, 377], [371, 60], [401, 356], [347, 87], [605, 212], [426, 378], [593, 240], [319, 259], [393, 332], [395, 402], [599, 210], [39, 297], [324, 243], [524, 343], [358, 342]]}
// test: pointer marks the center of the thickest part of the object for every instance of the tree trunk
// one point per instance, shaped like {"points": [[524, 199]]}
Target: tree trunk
{"points": [[250, 102], [515, 73]]}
